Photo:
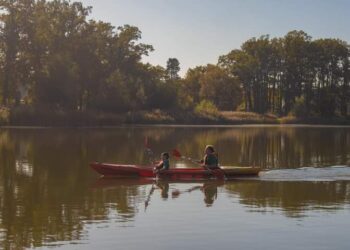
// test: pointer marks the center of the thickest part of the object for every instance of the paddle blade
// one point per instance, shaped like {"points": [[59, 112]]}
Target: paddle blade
{"points": [[176, 153]]}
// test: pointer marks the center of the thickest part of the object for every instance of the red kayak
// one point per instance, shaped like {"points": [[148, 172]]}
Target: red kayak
{"points": [[118, 170]]}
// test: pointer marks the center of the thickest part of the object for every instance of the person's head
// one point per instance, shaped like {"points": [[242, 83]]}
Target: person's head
{"points": [[165, 156], [209, 149]]}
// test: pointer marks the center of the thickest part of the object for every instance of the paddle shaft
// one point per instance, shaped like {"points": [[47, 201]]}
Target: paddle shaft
{"points": [[178, 192], [149, 196]]}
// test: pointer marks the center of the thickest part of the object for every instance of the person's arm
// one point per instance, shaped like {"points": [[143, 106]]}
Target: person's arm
{"points": [[160, 165], [199, 161], [204, 162]]}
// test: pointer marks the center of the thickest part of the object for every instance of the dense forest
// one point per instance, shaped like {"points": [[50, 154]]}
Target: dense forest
{"points": [[54, 59]]}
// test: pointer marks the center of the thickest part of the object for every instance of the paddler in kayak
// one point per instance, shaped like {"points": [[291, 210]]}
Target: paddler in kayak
{"points": [[210, 159], [164, 164]]}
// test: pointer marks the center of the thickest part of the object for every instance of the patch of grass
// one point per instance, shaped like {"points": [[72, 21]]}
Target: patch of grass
{"points": [[207, 110], [290, 119], [239, 117], [156, 116], [205, 113], [337, 120]]}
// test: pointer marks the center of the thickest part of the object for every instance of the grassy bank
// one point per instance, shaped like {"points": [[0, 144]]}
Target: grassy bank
{"points": [[228, 118], [92, 119]]}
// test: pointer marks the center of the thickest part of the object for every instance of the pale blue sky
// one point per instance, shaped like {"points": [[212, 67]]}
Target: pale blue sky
{"points": [[197, 32]]}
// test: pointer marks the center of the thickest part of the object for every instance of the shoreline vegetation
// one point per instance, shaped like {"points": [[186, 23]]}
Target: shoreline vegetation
{"points": [[60, 68], [159, 117]]}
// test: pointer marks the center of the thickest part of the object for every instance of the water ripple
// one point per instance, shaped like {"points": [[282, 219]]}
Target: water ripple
{"points": [[333, 173]]}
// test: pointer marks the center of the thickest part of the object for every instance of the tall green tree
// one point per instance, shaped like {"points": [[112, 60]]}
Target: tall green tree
{"points": [[214, 84], [9, 48], [192, 84], [63, 61], [53, 58], [281, 73], [173, 69]]}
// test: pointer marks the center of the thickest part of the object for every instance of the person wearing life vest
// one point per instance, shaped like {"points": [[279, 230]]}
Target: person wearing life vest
{"points": [[164, 164], [210, 159]]}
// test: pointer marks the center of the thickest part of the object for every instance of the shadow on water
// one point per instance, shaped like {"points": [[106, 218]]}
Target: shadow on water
{"points": [[47, 195]]}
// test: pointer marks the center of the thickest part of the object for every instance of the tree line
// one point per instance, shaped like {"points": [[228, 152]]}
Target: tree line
{"points": [[54, 58], [292, 73]]}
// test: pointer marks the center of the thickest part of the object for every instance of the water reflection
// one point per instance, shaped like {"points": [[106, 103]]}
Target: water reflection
{"points": [[271, 147], [208, 188], [33, 217], [295, 199], [48, 193]]}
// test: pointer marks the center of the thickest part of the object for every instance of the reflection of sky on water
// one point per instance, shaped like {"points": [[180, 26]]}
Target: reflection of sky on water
{"points": [[242, 208], [24, 168], [187, 223], [49, 195]]}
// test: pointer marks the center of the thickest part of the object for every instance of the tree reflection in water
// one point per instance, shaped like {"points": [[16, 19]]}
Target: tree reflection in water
{"points": [[293, 197], [45, 182]]}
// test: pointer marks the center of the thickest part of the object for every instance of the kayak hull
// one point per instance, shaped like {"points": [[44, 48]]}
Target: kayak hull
{"points": [[120, 170]]}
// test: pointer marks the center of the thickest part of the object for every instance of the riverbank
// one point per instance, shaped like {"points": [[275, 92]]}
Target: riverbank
{"points": [[94, 119], [229, 118]]}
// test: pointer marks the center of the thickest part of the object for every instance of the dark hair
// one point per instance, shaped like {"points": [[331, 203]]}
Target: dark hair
{"points": [[166, 155], [210, 147]]}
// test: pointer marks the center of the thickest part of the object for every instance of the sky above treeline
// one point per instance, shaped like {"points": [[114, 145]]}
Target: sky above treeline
{"points": [[197, 32]]}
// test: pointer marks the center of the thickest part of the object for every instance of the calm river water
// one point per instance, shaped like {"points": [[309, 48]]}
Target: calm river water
{"points": [[49, 197]]}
